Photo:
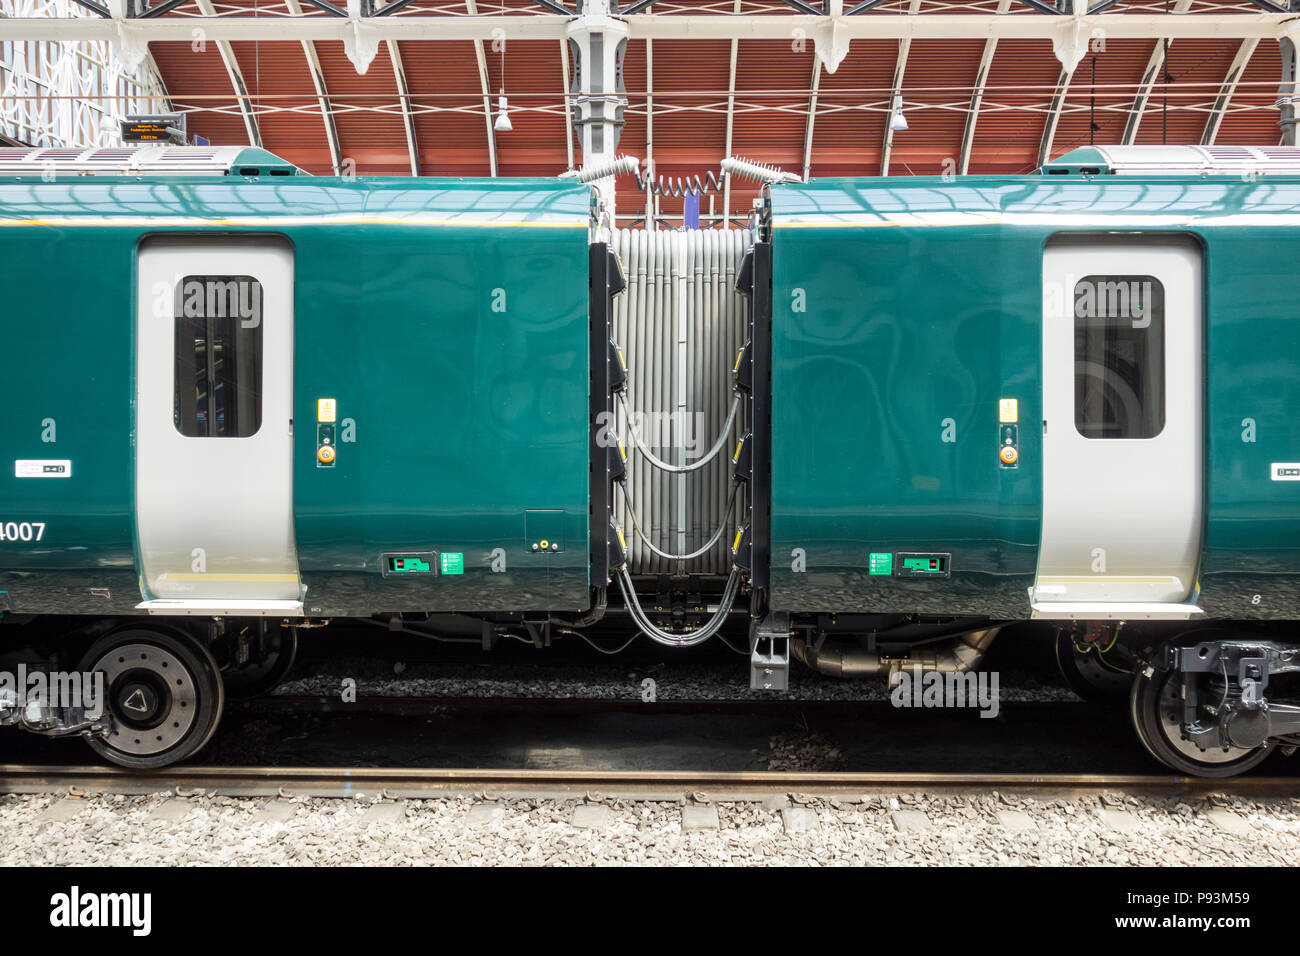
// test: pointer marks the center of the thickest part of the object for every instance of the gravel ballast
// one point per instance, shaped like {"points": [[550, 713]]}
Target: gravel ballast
{"points": [[669, 681], [905, 829]]}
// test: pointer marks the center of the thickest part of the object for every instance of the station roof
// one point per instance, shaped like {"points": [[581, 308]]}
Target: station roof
{"points": [[971, 103]]}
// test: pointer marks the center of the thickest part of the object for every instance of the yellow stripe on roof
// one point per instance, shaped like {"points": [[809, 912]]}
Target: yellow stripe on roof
{"points": [[157, 221]]}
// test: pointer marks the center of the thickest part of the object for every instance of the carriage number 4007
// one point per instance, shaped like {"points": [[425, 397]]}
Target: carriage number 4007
{"points": [[22, 530]]}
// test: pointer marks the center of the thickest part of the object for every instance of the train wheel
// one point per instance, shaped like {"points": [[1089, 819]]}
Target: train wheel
{"points": [[1156, 708], [1092, 670], [163, 691], [276, 650]]}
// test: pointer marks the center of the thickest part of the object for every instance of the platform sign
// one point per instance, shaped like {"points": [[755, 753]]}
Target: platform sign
{"points": [[158, 128]]}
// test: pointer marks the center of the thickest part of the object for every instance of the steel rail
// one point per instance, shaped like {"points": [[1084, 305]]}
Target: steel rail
{"points": [[415, 782]]}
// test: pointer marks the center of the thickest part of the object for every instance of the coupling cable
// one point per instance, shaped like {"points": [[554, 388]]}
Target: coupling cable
{"points": [[642, 446], [675, 638], [636, 525]]}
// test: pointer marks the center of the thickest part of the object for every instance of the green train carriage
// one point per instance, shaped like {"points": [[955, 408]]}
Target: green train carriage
{"points": [[1069, 396], [240, 394]]}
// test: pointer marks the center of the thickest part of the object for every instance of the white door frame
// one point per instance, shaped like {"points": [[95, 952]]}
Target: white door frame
{"points": [[214, 515], [1122, 516]]}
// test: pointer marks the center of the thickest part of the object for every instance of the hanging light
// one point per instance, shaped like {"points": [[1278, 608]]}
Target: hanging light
{"points": [[897, 121], [503, 124]]}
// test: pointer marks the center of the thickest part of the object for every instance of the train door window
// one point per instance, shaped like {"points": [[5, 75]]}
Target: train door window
{"points": [[218, 389], [1119, 356]]}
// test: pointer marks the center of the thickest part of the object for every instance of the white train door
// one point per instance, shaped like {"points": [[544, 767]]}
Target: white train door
{"points": [[214, 439], [1122, 443]]}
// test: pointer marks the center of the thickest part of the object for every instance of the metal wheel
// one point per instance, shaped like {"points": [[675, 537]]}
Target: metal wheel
{"points": [[163, 691], [276, 647], [1092, 671], [1156, 708]]}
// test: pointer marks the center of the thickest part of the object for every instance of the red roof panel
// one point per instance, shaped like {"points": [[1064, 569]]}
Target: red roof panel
{"points": [[690, 91]]}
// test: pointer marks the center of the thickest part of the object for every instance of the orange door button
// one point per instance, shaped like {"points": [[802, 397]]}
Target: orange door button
{"points": [[1009, 455], [325, 454]]}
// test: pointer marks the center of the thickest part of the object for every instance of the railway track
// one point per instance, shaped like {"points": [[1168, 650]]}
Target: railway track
{"points": [[420, 782]]}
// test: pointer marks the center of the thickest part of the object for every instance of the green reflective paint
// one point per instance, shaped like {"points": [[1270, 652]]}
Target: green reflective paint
{"points": [[904, 309], [407, 291]]}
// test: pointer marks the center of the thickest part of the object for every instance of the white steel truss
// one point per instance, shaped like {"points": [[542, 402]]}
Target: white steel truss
{"points": [[832, 35], [61, 93], [120, 30]]}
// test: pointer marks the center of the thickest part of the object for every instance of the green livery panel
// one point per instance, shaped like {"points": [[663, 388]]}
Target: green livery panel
{"points": [[905, 311], [446, 319]]}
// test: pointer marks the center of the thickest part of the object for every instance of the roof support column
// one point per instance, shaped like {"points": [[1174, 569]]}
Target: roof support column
{"points": [[596, 43], [1286, 93], [650, 199], [731, 118]]}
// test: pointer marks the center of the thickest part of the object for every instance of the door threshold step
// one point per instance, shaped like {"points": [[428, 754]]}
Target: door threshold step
{"points": [[234, 607], [1111, 611]]}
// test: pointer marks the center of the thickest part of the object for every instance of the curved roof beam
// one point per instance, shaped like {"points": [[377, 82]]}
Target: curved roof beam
{"points": [[408, 118], [1221, 103], [322, 94], [568, 105], [900, 65], [472, 8], [1154, 67], [251, 126], [1054, 116], [977, 96], [812, 118]]}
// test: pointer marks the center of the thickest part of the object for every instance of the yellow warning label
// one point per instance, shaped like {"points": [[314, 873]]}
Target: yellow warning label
{"points": [[326, 410], [1008, 411]]}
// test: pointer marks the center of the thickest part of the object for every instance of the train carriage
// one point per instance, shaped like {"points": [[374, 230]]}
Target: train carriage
{"points": [[242, 401]]}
